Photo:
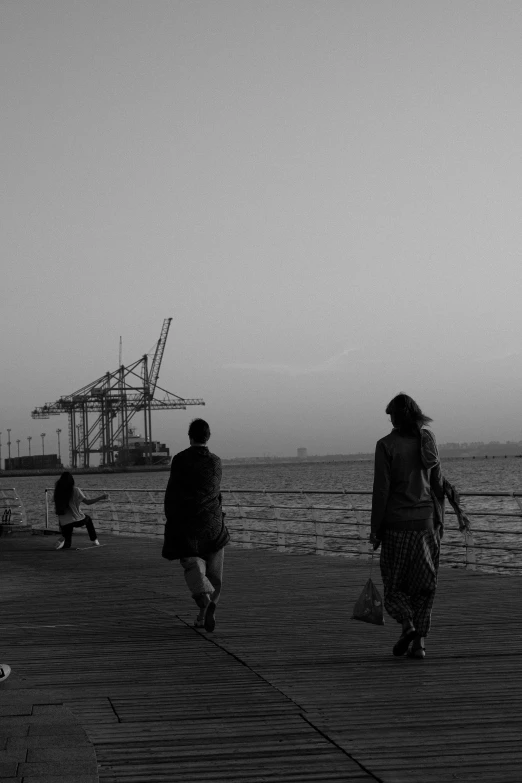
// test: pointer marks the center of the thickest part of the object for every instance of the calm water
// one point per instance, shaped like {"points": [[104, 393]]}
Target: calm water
{"points": [[467, 475], [472, 475]]}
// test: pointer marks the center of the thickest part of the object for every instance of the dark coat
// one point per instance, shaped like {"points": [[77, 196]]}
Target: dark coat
{"points": [[195, 524], [409, 484], [407, 474]]}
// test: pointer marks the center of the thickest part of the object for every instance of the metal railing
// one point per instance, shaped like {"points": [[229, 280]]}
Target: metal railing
{"points": [[325, 522], [12, 511]]}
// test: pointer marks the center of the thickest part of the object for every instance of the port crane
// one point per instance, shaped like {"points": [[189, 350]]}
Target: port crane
{"points": [[116, 398]]}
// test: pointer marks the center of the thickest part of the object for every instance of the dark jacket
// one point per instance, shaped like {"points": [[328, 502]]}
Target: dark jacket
{"points": [[195, 520], [407, 477]]}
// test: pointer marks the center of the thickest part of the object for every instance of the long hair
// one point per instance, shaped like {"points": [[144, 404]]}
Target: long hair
{"points": [[63, 490], [406, 414]]}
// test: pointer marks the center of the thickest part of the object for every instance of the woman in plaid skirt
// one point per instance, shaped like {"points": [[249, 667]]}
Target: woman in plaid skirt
{"points": [[408, 495]]}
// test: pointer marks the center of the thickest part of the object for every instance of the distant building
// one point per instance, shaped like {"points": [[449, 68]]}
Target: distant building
{"points": [[302, 453], [36, 462]]}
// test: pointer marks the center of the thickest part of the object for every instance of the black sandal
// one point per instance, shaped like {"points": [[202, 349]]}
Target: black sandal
{"points": [[402, 645], [416, 651]]}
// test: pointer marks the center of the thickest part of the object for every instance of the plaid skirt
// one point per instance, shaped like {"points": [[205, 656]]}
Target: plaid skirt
{"points": [[409, 567]]}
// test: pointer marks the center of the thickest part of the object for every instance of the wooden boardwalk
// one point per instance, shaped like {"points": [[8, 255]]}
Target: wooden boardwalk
{"points": [[288, 688]]}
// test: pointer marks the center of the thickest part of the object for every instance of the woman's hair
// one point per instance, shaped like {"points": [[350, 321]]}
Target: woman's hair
{"points": [[199, 431], [63, 490], [406, 414]]}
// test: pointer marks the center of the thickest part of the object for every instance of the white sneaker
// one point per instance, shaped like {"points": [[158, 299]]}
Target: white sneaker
{"points": [[5, 671], [60, 543], [96, 543]]}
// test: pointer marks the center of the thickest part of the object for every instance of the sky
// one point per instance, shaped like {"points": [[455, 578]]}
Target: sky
{"points": [[324, 195]]}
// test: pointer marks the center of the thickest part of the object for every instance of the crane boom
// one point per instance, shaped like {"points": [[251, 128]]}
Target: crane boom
{"points": [[158, 357]]}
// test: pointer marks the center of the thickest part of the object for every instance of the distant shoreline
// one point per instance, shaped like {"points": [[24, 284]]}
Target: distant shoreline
{"points": [[244, 462], [347, 458], [86, 471]]}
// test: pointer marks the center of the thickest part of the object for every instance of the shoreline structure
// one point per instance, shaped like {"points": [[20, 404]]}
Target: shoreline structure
{"points": [[486, 451]]}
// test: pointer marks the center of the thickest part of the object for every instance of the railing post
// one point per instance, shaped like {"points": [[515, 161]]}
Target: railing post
{"points": [[114, 518], [281, 538], [471, 561], [136, 512], [46, 510], [318, 526], [20, 508], [360, 526], [242, 517], [319, 537], [160, 519]]}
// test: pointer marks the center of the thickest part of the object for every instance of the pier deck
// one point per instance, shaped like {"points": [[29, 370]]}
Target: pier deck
{"points": [[287, 689]]}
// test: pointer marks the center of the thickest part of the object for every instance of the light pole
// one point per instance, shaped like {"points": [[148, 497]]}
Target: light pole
{"points": [[29, 438], [42, 437], [78, 429], [9, 444], [58, 433], [18, 445]]}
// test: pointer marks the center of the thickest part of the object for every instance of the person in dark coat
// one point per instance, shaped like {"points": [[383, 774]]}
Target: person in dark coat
{"points": [[195, 531]]}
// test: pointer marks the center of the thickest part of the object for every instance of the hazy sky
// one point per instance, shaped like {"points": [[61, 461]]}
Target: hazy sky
{"points": [[325, 196]]}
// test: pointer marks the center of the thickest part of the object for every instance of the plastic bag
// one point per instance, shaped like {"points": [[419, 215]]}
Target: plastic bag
{"points": [[368, 606]]}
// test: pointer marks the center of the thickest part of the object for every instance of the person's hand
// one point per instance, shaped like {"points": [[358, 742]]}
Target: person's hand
{"points": [[464, 523], [376, 542], [105, 496]]}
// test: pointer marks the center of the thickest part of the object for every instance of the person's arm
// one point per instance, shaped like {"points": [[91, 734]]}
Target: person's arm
{"points": [[381, 491], [90, 501], [454, 499]]}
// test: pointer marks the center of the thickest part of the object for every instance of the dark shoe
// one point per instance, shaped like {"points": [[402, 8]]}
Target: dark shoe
{"points": [[419, 653], [210, 620], [402, 645], [416, 650]]}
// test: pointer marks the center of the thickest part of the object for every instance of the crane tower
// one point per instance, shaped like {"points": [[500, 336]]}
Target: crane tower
{"points": [[115, 399]]}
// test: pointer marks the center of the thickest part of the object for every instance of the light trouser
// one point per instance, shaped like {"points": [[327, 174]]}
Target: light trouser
{"points": [[67, 530], [204, 576]]}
